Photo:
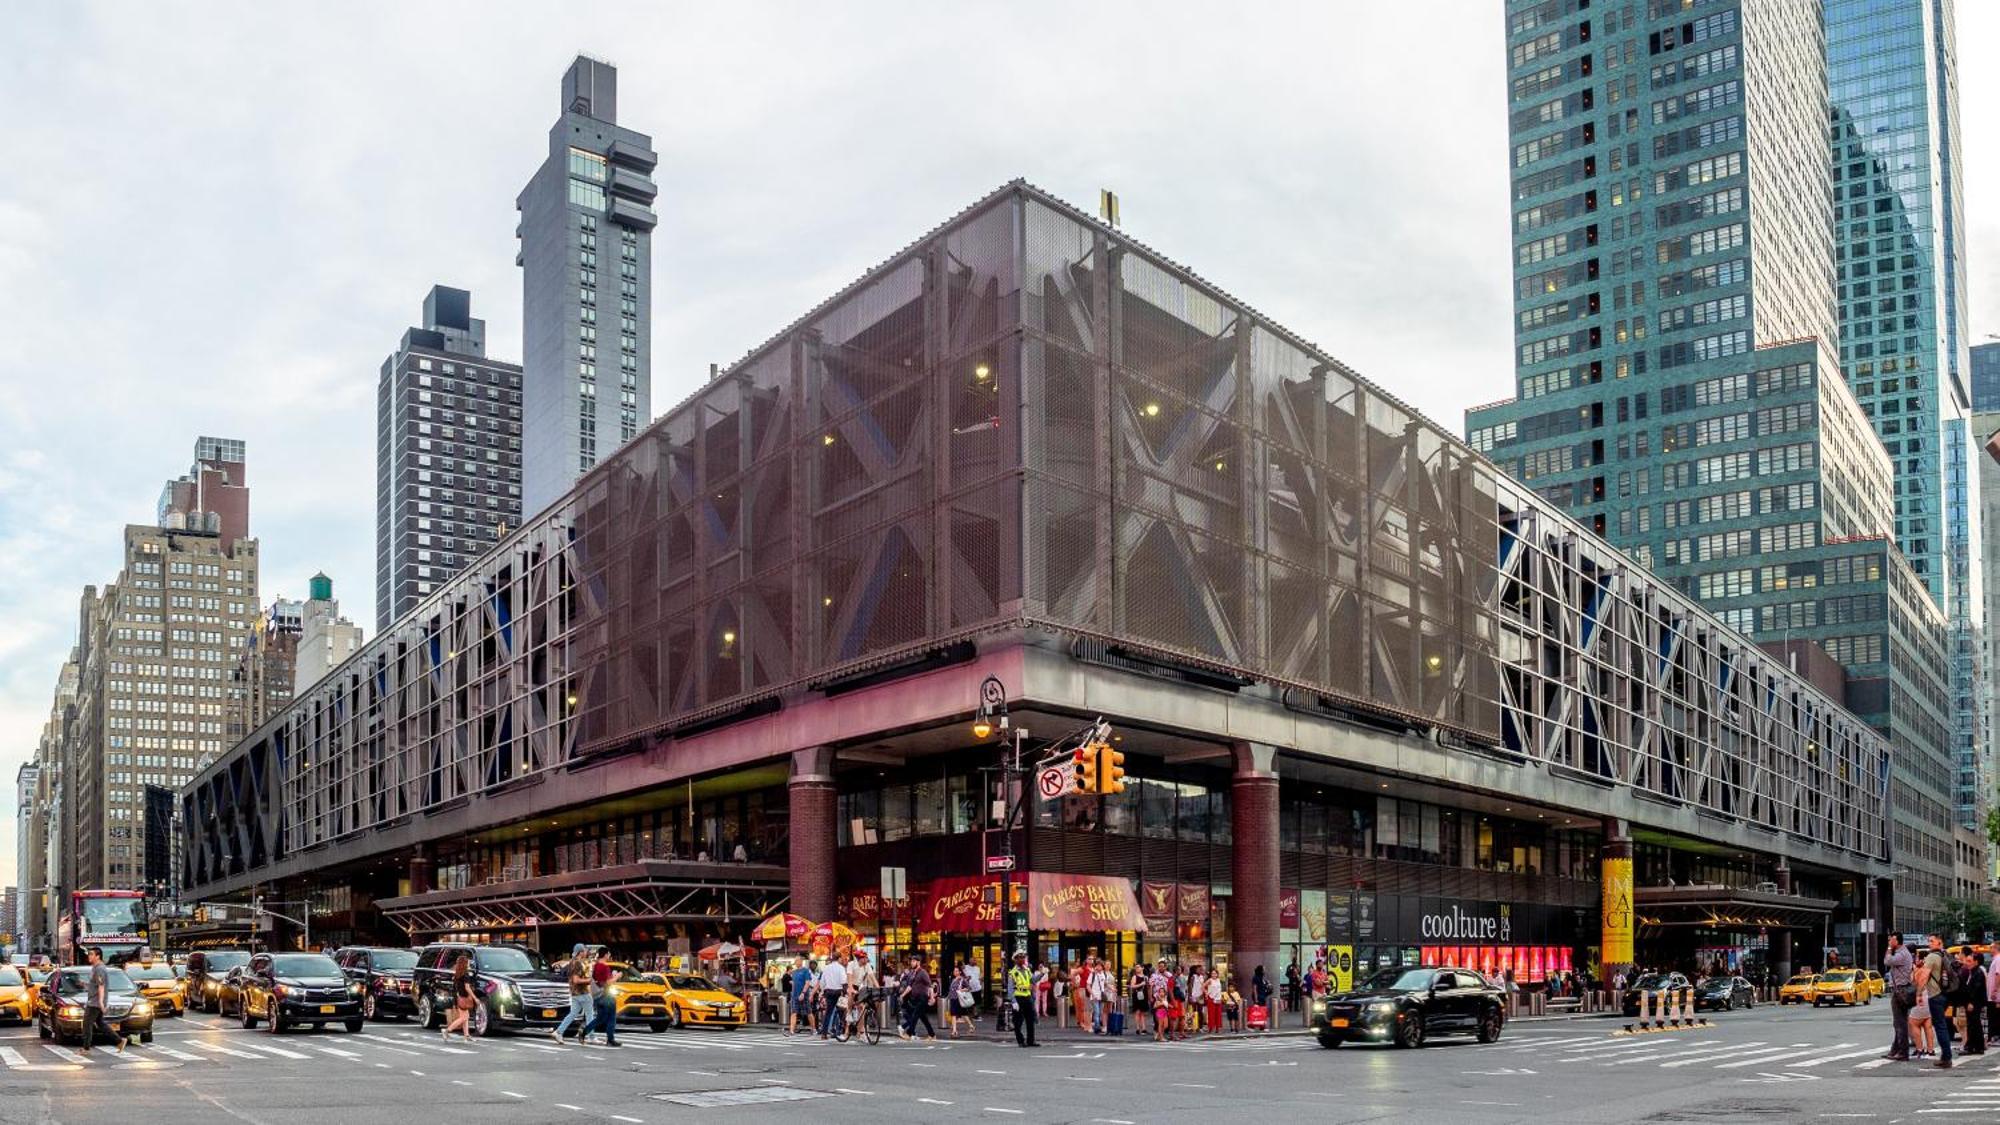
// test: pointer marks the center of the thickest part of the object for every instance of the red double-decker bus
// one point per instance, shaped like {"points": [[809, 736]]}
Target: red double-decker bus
{"points": [[113, 922]]}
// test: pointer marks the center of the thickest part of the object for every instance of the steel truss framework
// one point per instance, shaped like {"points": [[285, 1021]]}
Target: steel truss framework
{"points": [[1027, 420], [731, 906]]}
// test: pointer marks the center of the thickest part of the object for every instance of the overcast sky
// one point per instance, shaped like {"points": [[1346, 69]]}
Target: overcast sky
{"points": [[218, 219]]}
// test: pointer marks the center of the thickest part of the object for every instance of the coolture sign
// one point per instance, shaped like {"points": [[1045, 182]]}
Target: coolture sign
{"points": [[1456, 923]]}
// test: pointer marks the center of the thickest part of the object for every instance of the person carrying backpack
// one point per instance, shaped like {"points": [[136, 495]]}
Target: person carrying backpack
{"points": [[1935, 984]]}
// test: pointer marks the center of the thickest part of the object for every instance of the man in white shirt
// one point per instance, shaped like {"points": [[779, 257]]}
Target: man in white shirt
{"points": [[833, 986]]}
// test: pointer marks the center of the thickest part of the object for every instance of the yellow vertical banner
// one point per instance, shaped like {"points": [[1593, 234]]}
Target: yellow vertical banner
{"points": [[1617, 912], [1340, 965]]}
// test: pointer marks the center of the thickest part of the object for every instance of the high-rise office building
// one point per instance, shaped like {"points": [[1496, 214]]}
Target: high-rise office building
{"points": [[1986, 380], [586, 267], [28, 815], [1677, 379], [156, 649], [326, 639], [265, 667], [447, 453], [1899, 249]]}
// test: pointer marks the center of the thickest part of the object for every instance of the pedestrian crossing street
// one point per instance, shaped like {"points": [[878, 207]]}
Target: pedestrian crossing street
{"points": [[380, 1046]]}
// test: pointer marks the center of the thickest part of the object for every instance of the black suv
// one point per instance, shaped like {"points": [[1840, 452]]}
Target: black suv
{"points": [[294, 989], [384, 974], [516, 987], [205, 970], [1408, 1006]]}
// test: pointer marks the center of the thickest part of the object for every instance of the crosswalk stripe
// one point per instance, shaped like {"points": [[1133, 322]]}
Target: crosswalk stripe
{"points": [[1771, 1058], [222, 1050], [12, 1057], [1686, 1052], [412, 1041], [1871, 1064], [1723, 1052], [268, 1048], [1835, 1058], [161, 1048], [67, 1055]]}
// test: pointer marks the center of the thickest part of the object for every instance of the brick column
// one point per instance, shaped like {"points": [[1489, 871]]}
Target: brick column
{"points": [[813, 813], [1253, 868]]}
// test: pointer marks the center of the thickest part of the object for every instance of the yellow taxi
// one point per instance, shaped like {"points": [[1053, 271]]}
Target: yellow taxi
{"points": [[696, 1001], [1841, 986], [157, 982], [17, 995], [1876, 985], [641, 997], [1799, 989]]}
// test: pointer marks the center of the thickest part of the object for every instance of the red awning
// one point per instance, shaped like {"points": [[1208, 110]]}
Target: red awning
{"points": [[970, 904], [1082, 902]]}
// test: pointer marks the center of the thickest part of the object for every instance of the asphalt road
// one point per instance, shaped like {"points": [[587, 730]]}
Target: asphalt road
{"points": [[1767, 1065]]}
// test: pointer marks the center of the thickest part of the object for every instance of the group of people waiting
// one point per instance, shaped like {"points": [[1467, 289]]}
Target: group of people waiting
{"points": [[826, 997], [1938, 994]]}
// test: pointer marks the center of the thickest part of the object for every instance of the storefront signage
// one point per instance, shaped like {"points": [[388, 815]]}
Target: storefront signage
{"points": [[1312, 916], [1454, 923], [1081, 902], [963, 905], [1617, 903], [1157, 900], [1288, 909]]}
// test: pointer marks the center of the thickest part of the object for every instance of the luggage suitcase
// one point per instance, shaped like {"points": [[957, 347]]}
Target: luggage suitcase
{"points": [[1260, 1018], [1114, 1023]]}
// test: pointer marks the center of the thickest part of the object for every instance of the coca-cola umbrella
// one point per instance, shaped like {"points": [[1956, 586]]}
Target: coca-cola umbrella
{"points": [[782, 928], [834, 936], [720, 950]]}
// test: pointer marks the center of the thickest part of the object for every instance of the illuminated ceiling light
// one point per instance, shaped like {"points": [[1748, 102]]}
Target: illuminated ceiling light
{"points": [[1434, 661], [1219, 466], [1152, 410], [572, 700], [827, 440], [728, 637], [982, 372], [826, 601]]}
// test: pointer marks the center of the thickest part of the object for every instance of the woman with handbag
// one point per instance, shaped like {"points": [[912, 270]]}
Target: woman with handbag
{"points": [[464, 998], [961, 1005]]}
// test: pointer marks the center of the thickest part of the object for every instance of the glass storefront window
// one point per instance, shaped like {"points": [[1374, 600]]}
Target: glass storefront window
{"points": [[1081, 814], [896, 813], [1191, 803], [927, 817], [1121, 811], [1219, 827], [964, 803], [1312, 827], [1156, 810]]}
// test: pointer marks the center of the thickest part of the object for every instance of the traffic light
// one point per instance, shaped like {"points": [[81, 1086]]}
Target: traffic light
{"points": [[1086, 768], [1111, 770]]}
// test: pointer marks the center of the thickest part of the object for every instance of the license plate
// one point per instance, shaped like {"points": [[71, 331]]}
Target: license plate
{"points": [[548, 1013], [326, 1009], [1337, 1022]]}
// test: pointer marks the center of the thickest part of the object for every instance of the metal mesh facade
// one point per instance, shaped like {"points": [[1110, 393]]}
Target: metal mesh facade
{"points": [[1027, 421]]}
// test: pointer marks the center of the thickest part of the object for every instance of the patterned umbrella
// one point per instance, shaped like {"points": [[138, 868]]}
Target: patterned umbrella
{"points": [[782, 927], [834, 935]]}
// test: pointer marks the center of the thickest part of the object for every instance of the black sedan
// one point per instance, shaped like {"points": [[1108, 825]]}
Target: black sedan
{"points": [[296, 990], [1407, 1006], [1724, 994], [62, 1012], [1661, 985]]}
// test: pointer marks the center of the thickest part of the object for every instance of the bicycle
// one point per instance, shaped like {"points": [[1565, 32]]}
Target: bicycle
{"points": [[866, 1017]]}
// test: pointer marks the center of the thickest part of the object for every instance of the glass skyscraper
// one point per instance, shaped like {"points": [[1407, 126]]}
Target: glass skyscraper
{"points": [[1892, 77], [1677, 346], [586, 284]]}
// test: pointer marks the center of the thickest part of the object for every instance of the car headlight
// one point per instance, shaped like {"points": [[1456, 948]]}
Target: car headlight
{"points": [[1319, 1005], [354, 990], [617, 990], [142, 1007], [71, 1011], [1382, 1006]]}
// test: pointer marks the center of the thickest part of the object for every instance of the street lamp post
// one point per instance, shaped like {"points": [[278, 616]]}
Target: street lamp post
{"points": [[993, 715]]}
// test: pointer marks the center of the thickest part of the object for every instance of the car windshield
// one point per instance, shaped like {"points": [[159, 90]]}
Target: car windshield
{"points": [[1398, 980], [220, 963], [506, 959], [1838, 976], [304, 965], [650, 978], [74, 981], [118, 914], [154, 971], [1720, 982], [694, 984], [394, 958], [1803, 978], [9, 976], [1653, 980]]}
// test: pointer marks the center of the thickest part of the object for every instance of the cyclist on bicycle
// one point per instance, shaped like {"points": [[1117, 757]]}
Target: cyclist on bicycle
{"points": [[867, 992]]}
